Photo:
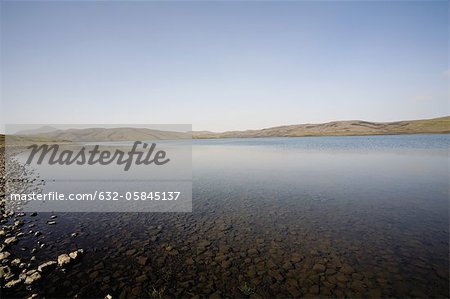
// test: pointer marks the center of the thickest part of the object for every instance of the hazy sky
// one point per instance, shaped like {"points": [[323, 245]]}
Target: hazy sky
{"points": [[223, 65]]}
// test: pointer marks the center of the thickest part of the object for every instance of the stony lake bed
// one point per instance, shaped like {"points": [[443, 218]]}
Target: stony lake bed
{"points": [[351, 217]]}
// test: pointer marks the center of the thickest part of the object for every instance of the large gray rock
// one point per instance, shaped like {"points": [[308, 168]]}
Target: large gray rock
{"points": [[64, 260]]}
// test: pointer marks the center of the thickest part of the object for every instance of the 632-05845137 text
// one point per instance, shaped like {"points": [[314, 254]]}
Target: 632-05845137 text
{"points": [[102, 195]]}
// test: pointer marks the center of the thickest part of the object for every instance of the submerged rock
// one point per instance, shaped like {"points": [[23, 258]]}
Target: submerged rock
{"points": [[204, 243], [347, 269], [189, 261], [142, 260], [319, 268]]}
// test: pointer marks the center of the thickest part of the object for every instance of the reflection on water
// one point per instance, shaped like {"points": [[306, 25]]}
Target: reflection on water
{"points": [[287, 217]]}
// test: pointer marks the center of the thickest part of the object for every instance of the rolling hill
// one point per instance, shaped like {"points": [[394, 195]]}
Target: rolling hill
{"points": [[103, 134], [341, 128], [335, 128]]}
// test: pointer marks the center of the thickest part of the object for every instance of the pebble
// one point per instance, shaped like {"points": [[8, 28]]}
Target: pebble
{"points": [[33, 277], [76, 254], [13, 283], [15, 262], [47, 266], [5, 271], [10, 240], [4, 255], [18, 223]]}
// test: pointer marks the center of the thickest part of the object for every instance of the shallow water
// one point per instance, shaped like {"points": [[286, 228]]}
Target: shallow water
{"points": [[284, 217]]}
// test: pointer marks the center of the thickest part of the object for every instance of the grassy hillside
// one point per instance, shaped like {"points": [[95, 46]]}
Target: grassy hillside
{"points": [[105, 134], [342, 128]]}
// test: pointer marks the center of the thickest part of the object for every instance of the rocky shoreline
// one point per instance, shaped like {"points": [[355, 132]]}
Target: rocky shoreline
{"points": [[20, 273]]}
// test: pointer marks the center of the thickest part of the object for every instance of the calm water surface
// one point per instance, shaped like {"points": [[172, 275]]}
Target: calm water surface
{"points": [[285, 217]]}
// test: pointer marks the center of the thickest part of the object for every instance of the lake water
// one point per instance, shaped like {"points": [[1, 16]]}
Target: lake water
{"points": [[275, 217]]}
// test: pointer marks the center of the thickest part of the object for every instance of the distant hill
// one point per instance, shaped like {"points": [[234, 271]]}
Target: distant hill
{"points": [[104, 134], [341, 128], [41, 130], [27, 139], [335, 128]]}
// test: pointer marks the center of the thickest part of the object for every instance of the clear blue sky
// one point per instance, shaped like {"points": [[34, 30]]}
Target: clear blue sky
{"points": [[223, 65]]}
